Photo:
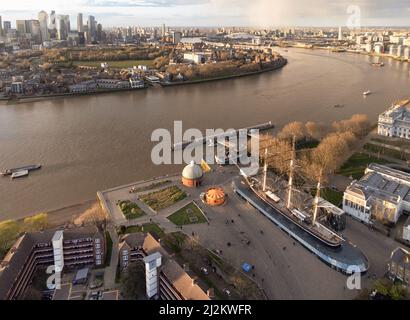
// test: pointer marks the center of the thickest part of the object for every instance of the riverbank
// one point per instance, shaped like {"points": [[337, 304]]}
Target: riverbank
{"points": [[64, 95], [280, 65], [364, 53]]}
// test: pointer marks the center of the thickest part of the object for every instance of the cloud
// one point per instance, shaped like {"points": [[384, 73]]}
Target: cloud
{"points": [[143, 3], [220, 12]]}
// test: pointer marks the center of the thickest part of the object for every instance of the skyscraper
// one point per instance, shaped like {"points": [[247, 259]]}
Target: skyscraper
{"points": [[163, 30], [21, 26], [340, 38], [1, 27], [63, 26], [52, 22], [43, 20], [80, 24], [92, 29], [7, 27]]}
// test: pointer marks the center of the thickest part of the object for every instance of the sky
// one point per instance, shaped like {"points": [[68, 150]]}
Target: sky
{"points": [[260, 13]]}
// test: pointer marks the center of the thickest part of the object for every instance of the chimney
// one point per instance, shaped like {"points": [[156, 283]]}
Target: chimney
{"points": [[211, 293], [186, 267]]}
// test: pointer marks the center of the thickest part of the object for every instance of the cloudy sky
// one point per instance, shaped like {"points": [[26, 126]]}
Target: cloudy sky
{"points": [[218, 12]]}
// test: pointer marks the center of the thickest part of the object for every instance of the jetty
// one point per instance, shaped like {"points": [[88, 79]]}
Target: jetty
{"points": [[184, 144]]}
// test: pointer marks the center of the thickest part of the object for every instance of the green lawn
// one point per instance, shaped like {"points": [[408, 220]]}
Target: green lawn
{"points": [[163, 198], [152, 228], [190, 214], [130, 210], [333, 196], [357, 164], [115, 64], [387, 152], [109, 248]]}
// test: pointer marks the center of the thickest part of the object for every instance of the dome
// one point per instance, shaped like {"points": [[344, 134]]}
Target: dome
{"points": [[215, 194], [192, 172]]}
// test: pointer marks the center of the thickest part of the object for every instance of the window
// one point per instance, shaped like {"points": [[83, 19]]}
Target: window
{"points": [[125, 253], [98, 251], [97, 240], [98, 262], [98, 246], [98, 256]]}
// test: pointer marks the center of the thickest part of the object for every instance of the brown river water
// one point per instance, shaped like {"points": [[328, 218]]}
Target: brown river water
{"points": [[92, 143]]}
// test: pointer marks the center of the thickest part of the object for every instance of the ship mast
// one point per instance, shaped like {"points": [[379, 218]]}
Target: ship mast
{"points": [[265, 170], [315, 211], [290, 185]]}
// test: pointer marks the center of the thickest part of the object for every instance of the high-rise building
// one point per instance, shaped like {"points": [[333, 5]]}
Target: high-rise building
{"points": [[52, 24], [63, 26], [80, 24], [1, 27], [163, 31], [92, 29], [7, 27], [340, 38], [176, 37], [21, 26], [43, 20], [99, 32], [35, 30]]}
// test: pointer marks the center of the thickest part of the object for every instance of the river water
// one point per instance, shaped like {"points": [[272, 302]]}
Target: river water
{"points": [[96, 142]]}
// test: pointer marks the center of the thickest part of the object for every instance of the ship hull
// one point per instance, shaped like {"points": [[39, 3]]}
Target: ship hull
{"points": [[300, 225]]}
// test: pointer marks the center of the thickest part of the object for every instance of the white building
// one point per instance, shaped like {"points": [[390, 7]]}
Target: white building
{"points": [[17, 87], [382, 194], [194, 57], [406, 230], [395, 122], [136, 83]]}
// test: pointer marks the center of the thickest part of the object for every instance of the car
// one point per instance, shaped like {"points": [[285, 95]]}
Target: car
{"points": [[227, 292], [96, 284], [204, 271]]}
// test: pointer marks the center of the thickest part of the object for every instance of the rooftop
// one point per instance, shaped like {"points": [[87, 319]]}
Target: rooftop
{"points": [[181, 280], [384, 183]]}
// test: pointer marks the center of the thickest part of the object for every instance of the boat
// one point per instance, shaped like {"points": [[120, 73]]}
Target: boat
{"points": [[8, 172], [338, 106], [303, 220], [378, 64], [367, 93], [19, 174]]}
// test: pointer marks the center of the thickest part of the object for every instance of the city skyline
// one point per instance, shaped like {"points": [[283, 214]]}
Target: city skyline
{"points": [[259, 13]]}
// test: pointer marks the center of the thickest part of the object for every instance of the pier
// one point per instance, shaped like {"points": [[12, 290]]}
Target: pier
{"points": [[184, 144]]}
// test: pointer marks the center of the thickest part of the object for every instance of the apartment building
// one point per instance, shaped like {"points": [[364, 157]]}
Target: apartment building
{"points": [[166, 279], [65, 249]]}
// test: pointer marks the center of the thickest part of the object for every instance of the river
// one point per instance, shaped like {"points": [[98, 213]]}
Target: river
{"points": [[92, 143]]}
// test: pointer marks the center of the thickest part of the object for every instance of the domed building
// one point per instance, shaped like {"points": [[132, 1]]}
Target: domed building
{"points": [[192, 175], [215, 196]]}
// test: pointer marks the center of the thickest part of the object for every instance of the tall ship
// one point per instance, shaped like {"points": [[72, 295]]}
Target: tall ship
{"points": [[303, 220]]}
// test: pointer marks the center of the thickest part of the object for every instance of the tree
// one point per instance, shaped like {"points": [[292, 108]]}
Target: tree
{"points": [[358, 124], [92, 216], [329, 156], [294, 129], [315, 131], [9, 231], [37, 222], [133, 281]]}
